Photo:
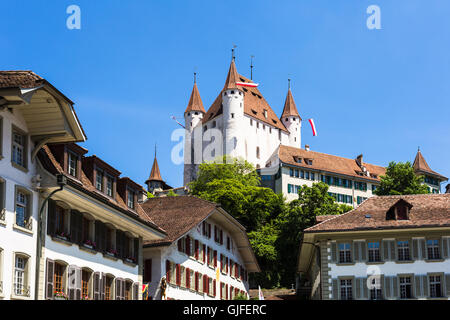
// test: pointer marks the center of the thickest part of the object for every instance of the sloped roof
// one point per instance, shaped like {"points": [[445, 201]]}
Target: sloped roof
{"points": [[290, 109], [155, 174], [254, 102], [48, 160], [427, 210], [195, 101], [421, 166], [19, 78], [328, 163]]}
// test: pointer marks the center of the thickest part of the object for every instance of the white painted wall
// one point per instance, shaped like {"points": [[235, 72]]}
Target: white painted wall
{"points": [[161, 254], [14, 239]]}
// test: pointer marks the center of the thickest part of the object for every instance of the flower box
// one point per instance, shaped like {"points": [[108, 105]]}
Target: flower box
{"points": [[62, 237], [88, 246], [130, 260], [111, 254]]}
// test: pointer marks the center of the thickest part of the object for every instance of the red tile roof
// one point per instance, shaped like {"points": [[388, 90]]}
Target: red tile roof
{"points": [[49, 161], [421, 166], [428, 210], [290, 109], [19, 78], [328, 163], [195, 101], [254, 102]]}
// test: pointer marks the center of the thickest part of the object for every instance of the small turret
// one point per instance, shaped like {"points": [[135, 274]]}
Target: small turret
{"points": [[292, 120], [155, 181], [195, 111]]}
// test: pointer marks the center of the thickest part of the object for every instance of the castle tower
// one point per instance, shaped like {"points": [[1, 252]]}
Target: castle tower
{"points": [[193, 116], [292, 120], [155, 181], [233, 114]]}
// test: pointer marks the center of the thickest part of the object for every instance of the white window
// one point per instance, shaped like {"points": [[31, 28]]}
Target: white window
{"points": [[433, 249], [405, 287], [99, 180], [72, 164], [130, 199], [20, 285], [435, 287], [346, 289], [22, 209], [18, 149], [403, 250], [344, 253], [374, 251], [109, 185]]}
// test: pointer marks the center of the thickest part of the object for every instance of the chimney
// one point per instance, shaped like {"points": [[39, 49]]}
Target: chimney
{"points": [[359, 160], [307, 147]]}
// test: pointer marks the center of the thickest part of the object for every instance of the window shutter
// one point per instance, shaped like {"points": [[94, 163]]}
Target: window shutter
{"points": [[188, 245], [204, 253], [418, 290], [387, 287], [79, 227], [334, 252], [117, 287], [180, 246], [96, 285], [73, 226], [444, 246], [355, 246], [72, 278], [214, 288], [363, 251], [358, 292], [78, 283], [425, 286], [216, 238], [415, 249], [196, 249], [188, 278], [147, 271], [49, 279], [385, 247], [226, 265], [226, 292], [209, 231], [51, 223], [178, 275], [97, 234], [365, 288], [122, 289], [215, 258], [102, 287], [221, 236], [393, 251], [168, 271], [395, 293], [136, 291], [423, 249], [447, 284], [335, 289], [196, 281]]}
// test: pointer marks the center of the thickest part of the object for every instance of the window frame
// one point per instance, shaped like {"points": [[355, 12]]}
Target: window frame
{"points": [[18, 131], [28, 214], [25, 283]]}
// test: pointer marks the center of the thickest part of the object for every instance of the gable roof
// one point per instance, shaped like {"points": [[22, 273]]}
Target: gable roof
{"points": [[180, 214], [421, 166], [328, 163], [49, 162], [254, 102], [290, 109], [195, 101], [426, 210]]}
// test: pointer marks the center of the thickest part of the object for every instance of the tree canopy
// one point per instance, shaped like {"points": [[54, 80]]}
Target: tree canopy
{"points": [[401, 179]]}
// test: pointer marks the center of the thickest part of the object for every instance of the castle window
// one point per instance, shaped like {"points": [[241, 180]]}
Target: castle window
{"points": [[264, 127], [270, 130], [232, 92], [232, 116], [188, 114], [251, 122], [257, 124], [265, 113], [196, 113], [214, 124], [257, 152], [287, 119]]}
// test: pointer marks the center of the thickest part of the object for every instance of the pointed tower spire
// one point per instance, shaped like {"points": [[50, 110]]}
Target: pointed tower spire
{"points": [[195, 102], [419, 162], [290, 109], [155, 174], [232, 77]]}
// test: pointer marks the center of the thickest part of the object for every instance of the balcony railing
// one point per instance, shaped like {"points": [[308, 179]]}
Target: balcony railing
{"points": [[21, 290]]}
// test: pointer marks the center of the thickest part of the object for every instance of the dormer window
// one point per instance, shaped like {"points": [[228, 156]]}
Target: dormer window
{"points": [[109, 185], [130, 198], [99, 180], [265, 113], [72, 164], [399, 211], [298, 159]]}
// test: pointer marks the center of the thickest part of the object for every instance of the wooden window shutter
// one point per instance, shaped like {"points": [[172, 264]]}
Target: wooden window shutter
{"points": [[365, 288], [221, 262], [363, 251], [78, 283], [387, 286], [178, 275], [426, 290], [49, 279], [188, 278], [147, 271], [180, 245], [136, 249], [221, 290], [204, 253], [215, 234], [122, 289], [444, 247], [214, 288], [418, 290], [221, 236], [136, 291], [209, 231], [335, 289], [72, 278], [96, 285], [395, 290], [117, 288], [196, 249], [226, 265], [188, 245], [355, 246], [415, 249], [334, 252], [226, 292], [423, 249], [51, 222], [102, 287], [196, 281], [203, 228], [215, 258], [393, 250], [447, 284], [168, 271]]}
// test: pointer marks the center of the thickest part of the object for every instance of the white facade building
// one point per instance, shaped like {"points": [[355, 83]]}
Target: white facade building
{"points": [[390, 247], [205, 256], [32, 114]]}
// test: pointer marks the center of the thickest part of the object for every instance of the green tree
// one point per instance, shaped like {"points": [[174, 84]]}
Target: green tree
{"points": [[400, 179], [171, 193]]}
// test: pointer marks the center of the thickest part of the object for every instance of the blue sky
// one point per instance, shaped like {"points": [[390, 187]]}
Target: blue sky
{"points": [[382, 92]]}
